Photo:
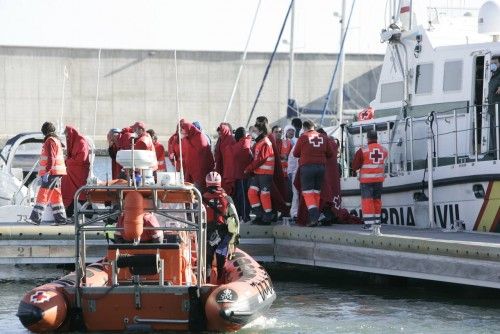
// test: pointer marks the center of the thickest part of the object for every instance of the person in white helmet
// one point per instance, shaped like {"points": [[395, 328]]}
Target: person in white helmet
{"points": [[222, 226]]}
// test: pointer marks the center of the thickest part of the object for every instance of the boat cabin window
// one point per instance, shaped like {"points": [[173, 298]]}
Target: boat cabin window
{"points": [[423, 78], [452, 79], [391, 92]]}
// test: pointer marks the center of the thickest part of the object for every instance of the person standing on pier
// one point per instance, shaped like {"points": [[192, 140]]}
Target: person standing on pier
{"points": [[77, 168], [313, 150], [262, 170], [370, 161], [52, 168]]}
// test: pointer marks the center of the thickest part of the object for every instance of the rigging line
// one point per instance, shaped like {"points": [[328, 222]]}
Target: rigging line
{"points": [[330, 88], [242, 64], [97, 90], [270, 63], [178, 117], [61, 115]]}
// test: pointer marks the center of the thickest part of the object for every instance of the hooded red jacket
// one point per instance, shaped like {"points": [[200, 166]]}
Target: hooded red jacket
{"points": [[77, 165], [125, 139], [197, 155], [144, 142], [241, 151], [174, 151], [224, 159], [160, 155]]}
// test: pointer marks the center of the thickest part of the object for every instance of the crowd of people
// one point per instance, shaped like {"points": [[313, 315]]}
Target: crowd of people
{"points": [[270, 173]]}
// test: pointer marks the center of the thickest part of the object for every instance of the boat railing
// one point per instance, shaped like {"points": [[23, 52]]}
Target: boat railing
{"points": [[460, 125], [192, 219]]}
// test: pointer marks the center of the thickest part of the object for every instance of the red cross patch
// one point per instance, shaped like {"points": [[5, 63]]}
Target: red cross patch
{"points": [[375, 156], [316, 141], [39, 297]]}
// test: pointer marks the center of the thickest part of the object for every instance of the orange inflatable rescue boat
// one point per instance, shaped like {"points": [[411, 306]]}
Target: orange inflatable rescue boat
{"points": [[144, 283]]}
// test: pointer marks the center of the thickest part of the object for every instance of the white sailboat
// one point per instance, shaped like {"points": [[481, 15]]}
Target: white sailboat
{"points": [[431, 112]]}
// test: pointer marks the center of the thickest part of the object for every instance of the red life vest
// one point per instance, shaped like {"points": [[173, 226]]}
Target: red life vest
{"points": [[268, 166], [216, 205], [58, 166], [373, 168]]}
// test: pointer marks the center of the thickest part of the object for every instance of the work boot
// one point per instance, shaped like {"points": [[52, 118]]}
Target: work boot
{"points": [[258, 212], [313, 217], [367, 227], [267, 219], [30, 221]]}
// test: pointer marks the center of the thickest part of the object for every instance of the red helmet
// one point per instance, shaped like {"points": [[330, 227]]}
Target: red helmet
{"points": [[213, 179]]}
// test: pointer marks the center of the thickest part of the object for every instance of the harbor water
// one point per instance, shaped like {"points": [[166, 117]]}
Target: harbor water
{"points": [[324, 307]]}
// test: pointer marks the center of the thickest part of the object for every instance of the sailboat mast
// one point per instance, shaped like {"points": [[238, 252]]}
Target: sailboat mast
{"points": [[340, 90], [291, 54]]}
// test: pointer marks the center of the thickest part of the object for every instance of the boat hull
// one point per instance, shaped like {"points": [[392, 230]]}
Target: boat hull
{"points": [[468, 195]]}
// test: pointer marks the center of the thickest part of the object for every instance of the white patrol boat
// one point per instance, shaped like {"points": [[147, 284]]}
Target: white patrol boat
{"points": [[431, 113]]}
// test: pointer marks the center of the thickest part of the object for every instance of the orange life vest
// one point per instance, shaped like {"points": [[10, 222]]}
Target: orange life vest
{"points": [[58, 165], [268, 166], [372, 170]]}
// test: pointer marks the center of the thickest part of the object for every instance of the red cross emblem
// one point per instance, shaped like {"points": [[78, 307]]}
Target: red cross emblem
{"points": [[375, 155], [316, 141], [40, 297]]}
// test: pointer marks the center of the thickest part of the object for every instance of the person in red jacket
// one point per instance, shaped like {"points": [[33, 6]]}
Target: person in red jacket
{"points": [[113, 142], [52, 168], [262, 169], [125, 139], [159, 149], [77, 167], [197, 155], [241, 153], [279, 191], [174, 151], [143, 140], [222, 227], [313, 150], [224, 161], [370, 161]]}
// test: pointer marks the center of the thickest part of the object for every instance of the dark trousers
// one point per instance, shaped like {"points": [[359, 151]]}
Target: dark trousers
{"points": [[241, 199], [493, 129], [311, 178]]}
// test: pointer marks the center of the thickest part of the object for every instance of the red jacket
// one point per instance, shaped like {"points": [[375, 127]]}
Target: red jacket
{"points": [[263, 157], [77, 165], [125, 139], [312, 148], [224, 160], [144, 142], [160, 155], [241, 152], [197, 155], [174, 151]]}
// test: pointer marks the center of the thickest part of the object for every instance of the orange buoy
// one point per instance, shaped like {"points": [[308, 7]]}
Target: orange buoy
{"points": [[43, 309], [133, 211]]}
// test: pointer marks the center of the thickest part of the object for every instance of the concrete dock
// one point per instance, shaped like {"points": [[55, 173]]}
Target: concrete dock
{"points": [[469, 258]]}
